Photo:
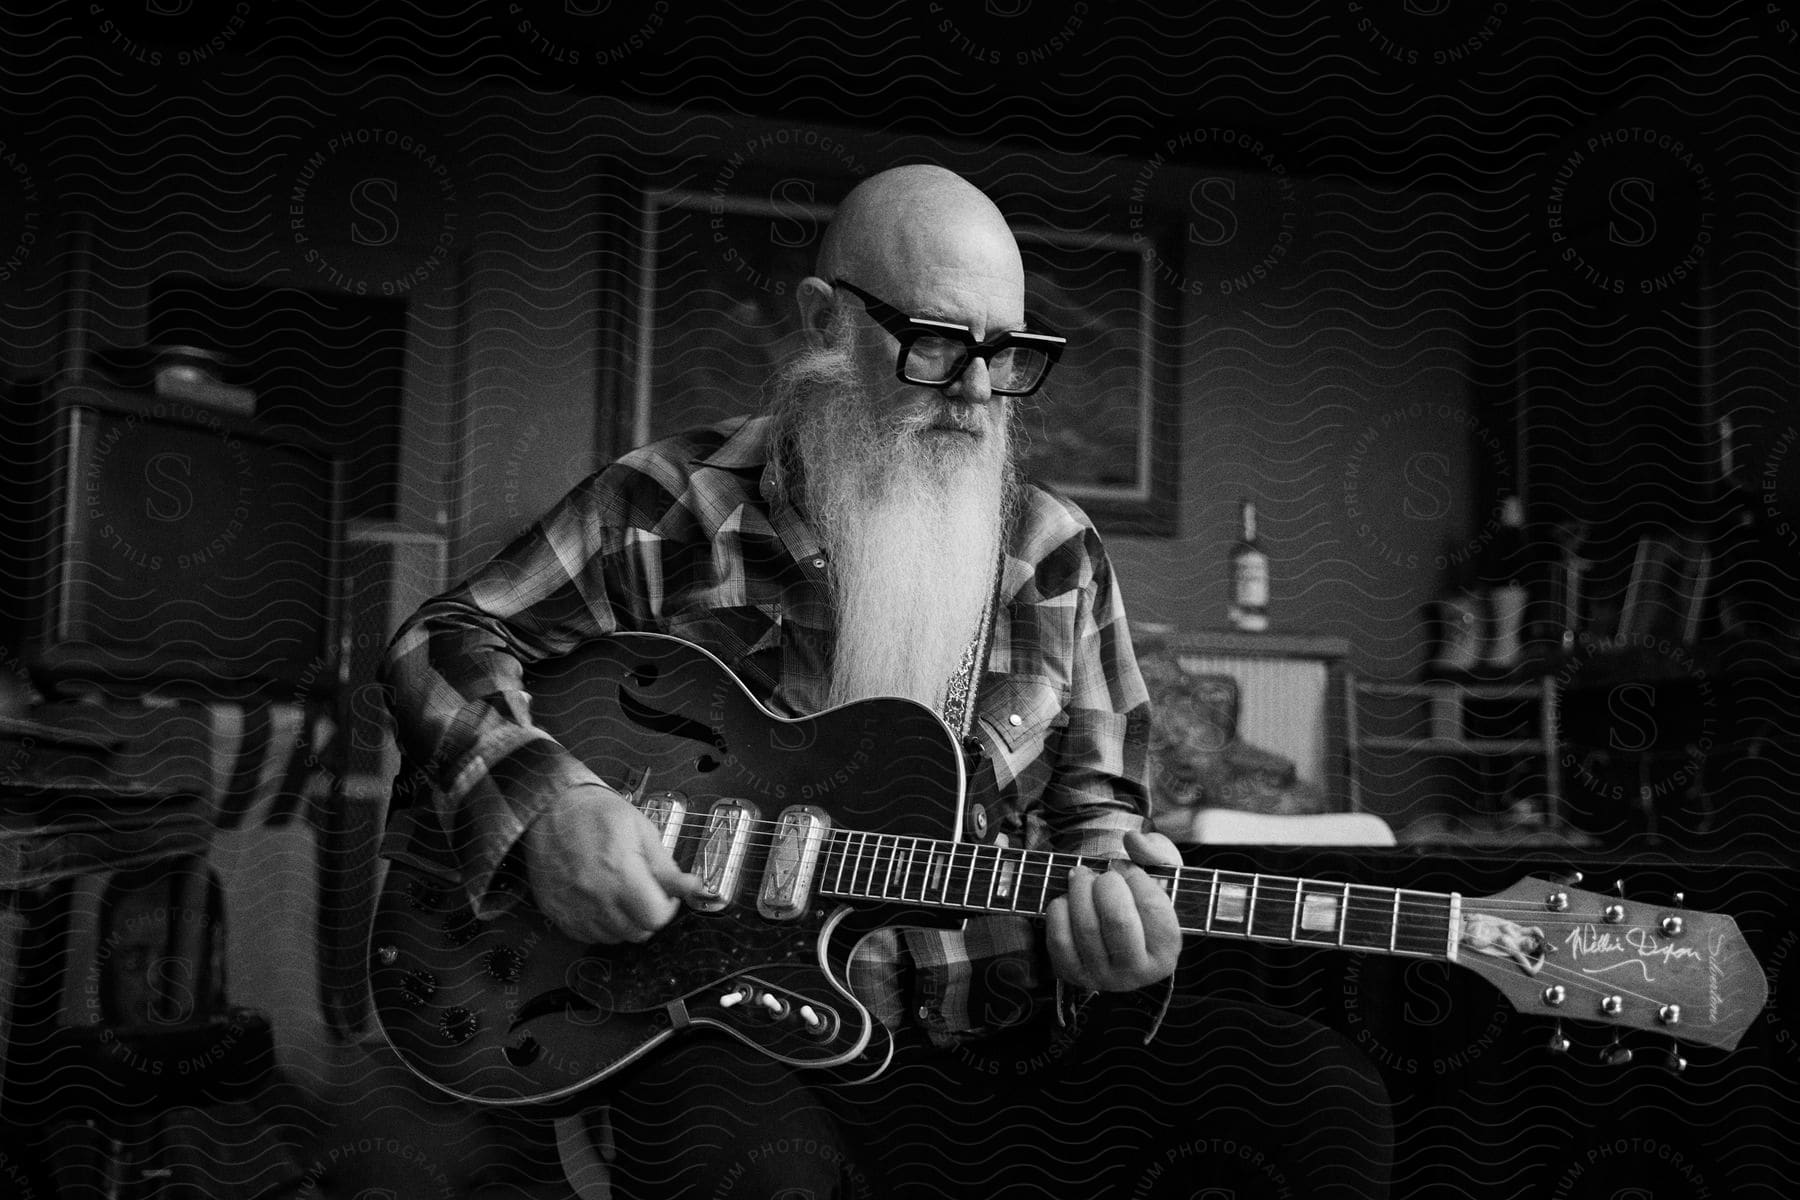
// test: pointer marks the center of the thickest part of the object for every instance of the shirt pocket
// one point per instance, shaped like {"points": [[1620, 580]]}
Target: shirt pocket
{"points": [[1019, 710], [731, 633]]}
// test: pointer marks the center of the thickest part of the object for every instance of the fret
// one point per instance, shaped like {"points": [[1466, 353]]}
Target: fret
{"points": [[1234, 901], [1175, 891], [985, 870], [835, 845], [938, 876], [1191, 906], [969, 879], [1276, 911], [1006, 867], [1040, 879], [950, 876], [1394, 925], [845, 838], [892, 847], [1368, 917], [1212, 902], [1420, 924], [869, 857], [906, 872], [1321, 914]]}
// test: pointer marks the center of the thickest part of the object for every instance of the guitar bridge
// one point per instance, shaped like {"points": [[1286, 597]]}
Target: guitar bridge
{"points": [[793, 856]]}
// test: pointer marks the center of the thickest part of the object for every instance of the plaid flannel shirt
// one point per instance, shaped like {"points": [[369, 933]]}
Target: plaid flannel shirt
{"points": [[691, 536]]}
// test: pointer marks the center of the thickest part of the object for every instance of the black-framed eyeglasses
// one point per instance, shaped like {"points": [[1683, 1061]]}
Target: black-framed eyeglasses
{"points": [[935, 353]]}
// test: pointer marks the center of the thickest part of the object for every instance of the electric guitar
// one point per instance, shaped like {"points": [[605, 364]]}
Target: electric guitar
{"points": [[808, 834]]}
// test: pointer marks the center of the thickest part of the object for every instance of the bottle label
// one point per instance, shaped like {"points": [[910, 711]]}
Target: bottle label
{"points": [[1252, 584]]}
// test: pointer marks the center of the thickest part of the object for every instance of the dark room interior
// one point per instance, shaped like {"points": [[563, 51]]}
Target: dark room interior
{"points": [[1472, 331]]}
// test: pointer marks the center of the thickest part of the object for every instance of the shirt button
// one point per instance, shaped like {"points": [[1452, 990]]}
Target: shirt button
{"points": [[927, 1013], [1015, 719]]}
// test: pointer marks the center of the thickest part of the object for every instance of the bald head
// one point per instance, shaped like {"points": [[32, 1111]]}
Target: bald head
{"points": [[926, 240], [911, 220]]}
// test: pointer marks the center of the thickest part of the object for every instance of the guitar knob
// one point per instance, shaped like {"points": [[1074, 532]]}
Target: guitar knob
{"points": [[503, 964], [417, 987], [458, 1025], [815, 1024]]}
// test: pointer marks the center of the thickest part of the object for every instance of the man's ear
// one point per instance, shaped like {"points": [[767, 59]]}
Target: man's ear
{"points": [[814, 296]]}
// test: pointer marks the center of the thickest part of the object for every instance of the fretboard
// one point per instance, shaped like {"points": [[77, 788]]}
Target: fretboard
{"points": [[924, 872]]}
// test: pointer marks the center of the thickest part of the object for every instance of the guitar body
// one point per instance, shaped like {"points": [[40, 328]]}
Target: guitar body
{"points": [[511, 1012]]}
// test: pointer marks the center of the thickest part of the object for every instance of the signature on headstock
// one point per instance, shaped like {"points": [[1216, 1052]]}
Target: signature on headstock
{"points": [[1635, 947]]}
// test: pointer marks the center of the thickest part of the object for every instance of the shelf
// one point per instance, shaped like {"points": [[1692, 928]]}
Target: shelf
{"points": [[1430, 689], [1235, 643], [1441, 745]]}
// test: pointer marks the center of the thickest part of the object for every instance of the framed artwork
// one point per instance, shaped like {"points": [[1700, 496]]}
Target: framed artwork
{"points": [[716, 313]]}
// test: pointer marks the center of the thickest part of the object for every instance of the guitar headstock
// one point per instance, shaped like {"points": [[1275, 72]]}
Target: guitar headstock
{"points": [[1558, 951]]}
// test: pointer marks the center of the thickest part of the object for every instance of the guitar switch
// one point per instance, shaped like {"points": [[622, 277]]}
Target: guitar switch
{"points": [[736, 996], [777, 1007], [816, 1025]]}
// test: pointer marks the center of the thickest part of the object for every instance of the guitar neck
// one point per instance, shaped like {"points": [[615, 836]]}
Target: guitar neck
{"points": [[926, 873]]}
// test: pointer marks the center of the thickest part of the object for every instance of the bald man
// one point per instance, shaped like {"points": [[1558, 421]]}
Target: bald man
{"points": [[867, 535]]}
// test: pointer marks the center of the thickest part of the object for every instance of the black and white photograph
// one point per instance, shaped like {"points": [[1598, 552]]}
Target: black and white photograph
{"points": [[612, 599]]}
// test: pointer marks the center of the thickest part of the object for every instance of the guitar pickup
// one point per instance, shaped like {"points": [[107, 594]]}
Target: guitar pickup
{"points": [[666, 811], [719, 862], [793, 857]]}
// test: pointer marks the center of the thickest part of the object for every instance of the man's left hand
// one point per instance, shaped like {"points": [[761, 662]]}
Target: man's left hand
{"points": [[1117, 932]]}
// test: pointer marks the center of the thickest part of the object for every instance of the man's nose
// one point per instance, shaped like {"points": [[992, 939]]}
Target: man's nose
{"points": [[972, 386]]}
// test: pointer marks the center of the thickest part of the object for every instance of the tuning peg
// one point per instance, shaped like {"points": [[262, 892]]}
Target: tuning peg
{"points": [[1572, 879], [1619, 887], [1672, 1062], [1678, 898], [1616, 1054], [1559, 1041]]}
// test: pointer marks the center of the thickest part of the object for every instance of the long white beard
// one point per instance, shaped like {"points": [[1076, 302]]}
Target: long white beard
{"points": [[911, 520]]}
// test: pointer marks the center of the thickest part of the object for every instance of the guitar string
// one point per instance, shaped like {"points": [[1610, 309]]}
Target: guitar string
{"points": [[1031, 865], [1026, 861]]}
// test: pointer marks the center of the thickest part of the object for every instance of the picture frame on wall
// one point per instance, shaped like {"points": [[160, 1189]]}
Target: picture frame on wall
{"points": [[716, 313]]}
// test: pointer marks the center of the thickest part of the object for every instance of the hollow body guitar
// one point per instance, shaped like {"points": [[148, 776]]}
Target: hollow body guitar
{"points": [[810, 833]]}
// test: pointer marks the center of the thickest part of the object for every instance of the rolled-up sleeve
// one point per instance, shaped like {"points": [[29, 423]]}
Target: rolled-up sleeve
{"points": [[454, 676], [1099, 756]]}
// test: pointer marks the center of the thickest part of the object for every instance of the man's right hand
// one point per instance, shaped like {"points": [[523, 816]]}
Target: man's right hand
{"points": [[599, 871]]}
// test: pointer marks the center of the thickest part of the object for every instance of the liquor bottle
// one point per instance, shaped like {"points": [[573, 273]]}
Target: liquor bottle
{"points": [[1249, 609]]}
